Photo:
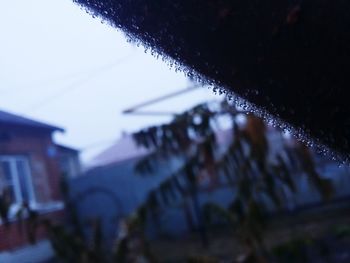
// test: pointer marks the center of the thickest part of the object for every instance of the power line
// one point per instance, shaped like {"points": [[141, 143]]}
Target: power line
{"points": [[134, 109], [56, 79], [75, 85], [152, 113]]}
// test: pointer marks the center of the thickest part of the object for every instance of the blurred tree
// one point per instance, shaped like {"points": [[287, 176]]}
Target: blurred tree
{"points": [[245, 161]]}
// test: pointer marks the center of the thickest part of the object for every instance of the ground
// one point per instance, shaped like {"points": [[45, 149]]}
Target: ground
{"points": [[322, 233]]}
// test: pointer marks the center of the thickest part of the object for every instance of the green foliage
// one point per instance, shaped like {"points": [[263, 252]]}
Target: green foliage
{"points": [[211, 210], [27, 221], [342, 231], [5, 203], [294, 251], [202, 259]]}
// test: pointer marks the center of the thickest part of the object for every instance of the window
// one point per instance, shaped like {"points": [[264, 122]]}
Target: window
{"points": [[15, 181], [69, 166]]}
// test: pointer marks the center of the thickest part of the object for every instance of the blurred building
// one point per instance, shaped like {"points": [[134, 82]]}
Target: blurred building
{"points": [[117, 189], [31, 165], [69, 161], [111, 189]]}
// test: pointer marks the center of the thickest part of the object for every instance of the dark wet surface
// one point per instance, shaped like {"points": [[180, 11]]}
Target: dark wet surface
{"points": [[291, 58]]}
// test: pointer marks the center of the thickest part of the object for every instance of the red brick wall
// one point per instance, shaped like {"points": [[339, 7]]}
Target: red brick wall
{"points": [[45, 172], [14, 235], [35, 144]]}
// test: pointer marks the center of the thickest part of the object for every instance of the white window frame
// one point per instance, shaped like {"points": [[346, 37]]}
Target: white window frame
{"points": [[12, 159], [48, 207]]}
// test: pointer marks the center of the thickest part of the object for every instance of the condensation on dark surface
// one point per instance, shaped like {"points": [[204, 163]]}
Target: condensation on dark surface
{"points": [[289, 58]]}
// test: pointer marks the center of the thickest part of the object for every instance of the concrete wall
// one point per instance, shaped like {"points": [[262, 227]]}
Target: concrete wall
{"points": [[114, 191]]}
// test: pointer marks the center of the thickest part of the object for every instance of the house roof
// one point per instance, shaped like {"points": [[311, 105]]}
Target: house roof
{"points": [[64, 148], [124, 149], [13, 119]]}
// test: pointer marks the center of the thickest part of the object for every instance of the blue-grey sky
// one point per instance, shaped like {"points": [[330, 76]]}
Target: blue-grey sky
{"points": [[60, 65]]}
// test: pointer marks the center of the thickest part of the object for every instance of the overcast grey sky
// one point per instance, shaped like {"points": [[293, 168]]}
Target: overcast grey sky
{"points": [[59, 65]]}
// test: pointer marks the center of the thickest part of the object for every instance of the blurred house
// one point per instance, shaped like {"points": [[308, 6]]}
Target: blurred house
{"points": [[31, 165], [116, 189], [69, 161], [111, 189]]}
